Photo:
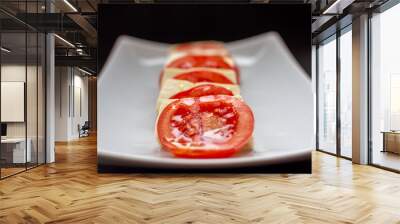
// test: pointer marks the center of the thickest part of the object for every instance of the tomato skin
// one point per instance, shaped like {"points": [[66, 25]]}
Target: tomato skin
{"points": [[237, 71], [203, 45], [203, 153], [182, 130], [203, 76], [203, 90], [192, 61]]}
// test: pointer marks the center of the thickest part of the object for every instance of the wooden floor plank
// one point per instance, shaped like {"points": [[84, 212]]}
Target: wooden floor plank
{"points": [[71, 191]]}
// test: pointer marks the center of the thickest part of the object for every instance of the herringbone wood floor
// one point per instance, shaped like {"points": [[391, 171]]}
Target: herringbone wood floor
{"points": [[71, 191]]}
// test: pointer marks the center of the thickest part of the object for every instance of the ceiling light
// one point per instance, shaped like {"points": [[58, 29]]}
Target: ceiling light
{"points": [[337, 7], [84, 71], [79, 51], [326, 11], [5, 50], [70, 5], [65, 41]]}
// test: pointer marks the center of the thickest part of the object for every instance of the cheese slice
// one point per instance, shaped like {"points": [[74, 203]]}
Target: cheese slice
{"points": [[162, 103], [170, 73], [174, 86]]}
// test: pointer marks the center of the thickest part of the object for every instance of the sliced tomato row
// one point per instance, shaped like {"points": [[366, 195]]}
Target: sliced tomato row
{"points": [[208, 61], [205, 121]]}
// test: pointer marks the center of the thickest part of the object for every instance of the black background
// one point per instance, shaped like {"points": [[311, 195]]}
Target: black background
{"points": [[303, 166], [173, 23]]}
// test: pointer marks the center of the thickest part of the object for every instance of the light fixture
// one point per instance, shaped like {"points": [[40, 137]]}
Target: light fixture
{"points": [[70, 5], [64, 40], [327, 10], [80, 51], [337, 7], [5, 50], [84, 71]]}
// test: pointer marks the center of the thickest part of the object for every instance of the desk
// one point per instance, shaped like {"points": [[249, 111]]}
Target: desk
{"points": [[15, 148], [391, 141]]}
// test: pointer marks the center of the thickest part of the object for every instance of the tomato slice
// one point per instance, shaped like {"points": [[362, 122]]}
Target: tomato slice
{"points": [[203, 45], [203, 90], [192, 61], [203, 76], [214, 126], [237, 71]]}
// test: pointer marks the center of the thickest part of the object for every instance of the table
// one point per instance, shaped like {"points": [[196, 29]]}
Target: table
{"points": [[15, 148], [391, 141]]}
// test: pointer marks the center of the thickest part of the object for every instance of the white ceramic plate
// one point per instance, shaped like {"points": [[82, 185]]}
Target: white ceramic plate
{"points": [[273, 84]]}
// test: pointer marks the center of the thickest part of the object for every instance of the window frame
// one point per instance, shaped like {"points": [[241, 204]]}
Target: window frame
{"points": [[334, 37], [378, 10]]}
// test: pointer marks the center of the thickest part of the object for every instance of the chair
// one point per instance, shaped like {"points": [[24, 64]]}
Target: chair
{"points": [[84, 130]]}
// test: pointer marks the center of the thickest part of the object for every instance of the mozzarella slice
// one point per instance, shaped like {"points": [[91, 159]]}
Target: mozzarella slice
{"points": [[170, 73], [174, 86]]}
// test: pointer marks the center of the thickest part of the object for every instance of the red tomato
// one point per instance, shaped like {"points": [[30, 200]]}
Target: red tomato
{"points": [[204, 45], [193, 61], [203, 76], [237, 74], [202, 90], [206, 127]]}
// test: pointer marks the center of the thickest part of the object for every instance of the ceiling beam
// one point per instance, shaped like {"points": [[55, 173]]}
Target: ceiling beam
{"points": [[81, 61], [75, 15]]}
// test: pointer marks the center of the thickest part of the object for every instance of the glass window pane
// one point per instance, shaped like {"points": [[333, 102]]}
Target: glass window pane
{"points": [[14, 153], [385, 82], [31, 97], [32, 87], [346, 94], [22, 90], [327, 96], [41, 98]]}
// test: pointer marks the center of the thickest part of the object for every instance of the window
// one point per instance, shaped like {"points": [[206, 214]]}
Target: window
{"points": [[22, 77], [327, 96], [334, 106], [385, 89], [346, 93]]}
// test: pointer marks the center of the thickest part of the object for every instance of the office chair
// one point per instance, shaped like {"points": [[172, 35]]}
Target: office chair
{"points": [[84, 130]]}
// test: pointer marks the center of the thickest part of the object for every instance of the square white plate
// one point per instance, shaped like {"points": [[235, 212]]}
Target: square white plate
{"points": [[272, 83]]}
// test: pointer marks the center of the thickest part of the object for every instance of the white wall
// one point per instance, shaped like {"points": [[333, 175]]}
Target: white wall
{"points": [[80, 109], [33, 127], [10, 73], [14, 73], [69, 112], [62, 82], [314, 85]]}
